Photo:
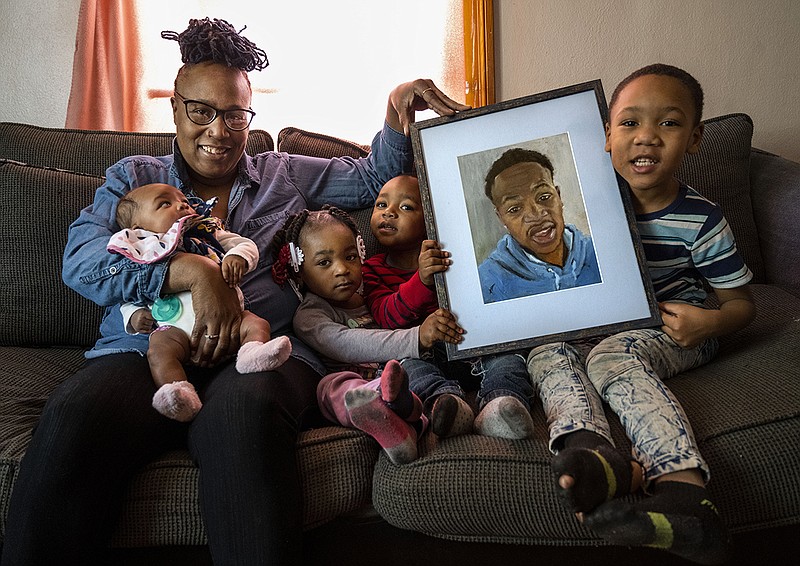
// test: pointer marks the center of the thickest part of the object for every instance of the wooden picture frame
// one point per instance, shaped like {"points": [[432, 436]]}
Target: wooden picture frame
{"points": [[500, 313]]}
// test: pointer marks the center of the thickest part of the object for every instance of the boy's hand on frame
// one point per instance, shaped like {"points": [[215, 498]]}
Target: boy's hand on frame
{"points": [[440, 326], [432, 259]]}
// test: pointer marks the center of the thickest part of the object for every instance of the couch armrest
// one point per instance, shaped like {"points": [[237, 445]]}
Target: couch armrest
{"points": [[775, 192]]}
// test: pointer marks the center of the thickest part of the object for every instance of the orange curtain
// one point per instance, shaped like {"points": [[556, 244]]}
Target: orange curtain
{"points": [[106, 68]]}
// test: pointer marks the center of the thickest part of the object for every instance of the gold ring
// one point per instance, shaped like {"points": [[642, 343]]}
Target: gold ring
{"points": [[422, 94]]}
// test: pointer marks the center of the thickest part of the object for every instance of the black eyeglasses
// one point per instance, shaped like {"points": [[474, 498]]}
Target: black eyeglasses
{"points": [[202, 114]]}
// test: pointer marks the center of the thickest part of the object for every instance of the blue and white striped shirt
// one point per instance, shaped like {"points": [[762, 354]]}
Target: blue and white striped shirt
{"points": [[687, 243]]}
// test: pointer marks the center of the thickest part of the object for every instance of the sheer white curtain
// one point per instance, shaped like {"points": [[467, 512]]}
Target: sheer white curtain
{"points": [[332, 63]]}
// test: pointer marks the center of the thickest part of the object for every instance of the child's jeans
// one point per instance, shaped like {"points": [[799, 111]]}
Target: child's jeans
{"points": [[627, 370], [500, 375], [569, 399]]}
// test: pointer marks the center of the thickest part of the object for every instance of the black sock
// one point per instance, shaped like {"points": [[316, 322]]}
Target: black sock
{"points": [[678, 518], [403, 404], [583, 439], [601, 472]]}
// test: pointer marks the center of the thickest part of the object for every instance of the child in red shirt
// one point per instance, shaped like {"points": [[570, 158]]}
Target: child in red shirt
{"points": [[398, 287]]}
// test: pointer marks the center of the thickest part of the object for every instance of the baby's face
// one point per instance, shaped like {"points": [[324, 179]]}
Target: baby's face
{"points": [[160, 206], [397, 216]]}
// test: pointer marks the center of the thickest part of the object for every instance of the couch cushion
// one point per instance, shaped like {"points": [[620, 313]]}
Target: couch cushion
{"points": [[503, 491], [302, 142], [90, 151], [775, 186], [744, 407], [27, 376], [36, 308], [720, 171]]}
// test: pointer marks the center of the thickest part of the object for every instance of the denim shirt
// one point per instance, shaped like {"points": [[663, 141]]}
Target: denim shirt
{"points": [[270, 186]]}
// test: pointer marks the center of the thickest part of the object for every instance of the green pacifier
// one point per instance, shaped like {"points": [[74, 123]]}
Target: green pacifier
{"points": [[167, 309]]}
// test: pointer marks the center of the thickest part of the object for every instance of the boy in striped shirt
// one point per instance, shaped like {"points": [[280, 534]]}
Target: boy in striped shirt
{"points": [[654, 121]]}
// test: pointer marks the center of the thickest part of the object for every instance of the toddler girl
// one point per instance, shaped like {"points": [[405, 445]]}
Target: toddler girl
{"points": [[320, 255]]}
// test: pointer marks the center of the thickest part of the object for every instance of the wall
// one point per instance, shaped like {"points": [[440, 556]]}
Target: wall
{"points": [[37, 42], [745, 54]]}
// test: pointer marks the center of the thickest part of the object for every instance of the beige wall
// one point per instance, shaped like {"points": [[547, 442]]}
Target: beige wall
{"points": [[37, 43], [745, 53]]}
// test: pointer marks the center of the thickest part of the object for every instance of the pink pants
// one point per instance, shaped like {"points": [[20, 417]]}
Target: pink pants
{"points": [[331, 391]]}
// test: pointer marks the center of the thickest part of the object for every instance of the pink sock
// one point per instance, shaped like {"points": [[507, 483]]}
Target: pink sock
{"points": [[177, 400], [368, 412], [393, 380], [395, 392], [263, 356]]}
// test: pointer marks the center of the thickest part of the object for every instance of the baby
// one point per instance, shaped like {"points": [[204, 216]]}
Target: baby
{"points": [[158, 221]]}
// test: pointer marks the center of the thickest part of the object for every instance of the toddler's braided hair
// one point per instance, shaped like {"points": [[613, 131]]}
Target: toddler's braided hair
{"points": [[291, 231], [218, 41]]}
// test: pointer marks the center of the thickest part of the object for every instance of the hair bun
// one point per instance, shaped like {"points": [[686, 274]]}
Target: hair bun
{"points": [[218, 41]]}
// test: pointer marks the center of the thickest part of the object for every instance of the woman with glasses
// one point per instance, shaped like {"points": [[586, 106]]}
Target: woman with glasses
{"points": [[98, 428]]}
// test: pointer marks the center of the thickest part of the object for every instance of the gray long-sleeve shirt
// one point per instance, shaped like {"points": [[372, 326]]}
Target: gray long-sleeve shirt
{"points": [[349, 338]]}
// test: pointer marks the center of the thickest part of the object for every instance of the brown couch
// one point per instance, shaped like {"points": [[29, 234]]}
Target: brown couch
{"points": [[471, 497]]}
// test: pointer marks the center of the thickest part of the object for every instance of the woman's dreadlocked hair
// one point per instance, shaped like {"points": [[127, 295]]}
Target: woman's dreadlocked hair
{"points": [[218, 41], [290, 233]]}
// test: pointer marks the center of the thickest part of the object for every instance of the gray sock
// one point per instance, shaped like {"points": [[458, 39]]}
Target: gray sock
{"points": [[505, 417], [451, 416]]}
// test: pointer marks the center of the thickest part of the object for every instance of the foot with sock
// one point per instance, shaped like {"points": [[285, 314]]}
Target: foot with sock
{"points": [[370, 413], [177, 400], [451, 416], [263, 356], [677, 518], [395, 392], [590, 471], [394, 381], [505, 417]]}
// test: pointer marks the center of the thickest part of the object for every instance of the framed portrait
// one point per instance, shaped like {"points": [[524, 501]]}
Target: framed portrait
{"points": [[540, 227]]}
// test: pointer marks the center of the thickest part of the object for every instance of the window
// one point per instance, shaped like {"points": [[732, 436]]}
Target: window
{"points": [[332, 64]]}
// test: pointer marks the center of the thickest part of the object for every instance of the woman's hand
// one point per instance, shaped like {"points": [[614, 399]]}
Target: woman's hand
{"points": [[408, 98], [218, 311]]}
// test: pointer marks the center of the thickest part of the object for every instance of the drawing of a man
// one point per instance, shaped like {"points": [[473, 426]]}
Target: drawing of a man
{"points": [[540, 253]]}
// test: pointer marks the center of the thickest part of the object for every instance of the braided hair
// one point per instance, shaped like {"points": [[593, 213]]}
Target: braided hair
{"points": [[292, 230], [218, 41]]}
